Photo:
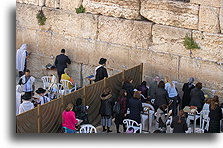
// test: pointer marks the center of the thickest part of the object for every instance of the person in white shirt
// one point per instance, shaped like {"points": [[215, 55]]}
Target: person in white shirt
{"points": [[18, 97], [172, 94], [42, 99], [28, 83], [26, 103]]}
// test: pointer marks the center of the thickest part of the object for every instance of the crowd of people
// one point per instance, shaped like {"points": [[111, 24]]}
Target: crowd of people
{"points": [[161, 94]]}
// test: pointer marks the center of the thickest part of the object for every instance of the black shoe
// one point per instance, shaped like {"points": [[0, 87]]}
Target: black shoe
{"points": [[108, 131]]}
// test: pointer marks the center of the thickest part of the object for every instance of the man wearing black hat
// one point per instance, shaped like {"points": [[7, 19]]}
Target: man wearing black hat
{"points": [[26, 103], [61, 62], [42, 99], [101, 71]]}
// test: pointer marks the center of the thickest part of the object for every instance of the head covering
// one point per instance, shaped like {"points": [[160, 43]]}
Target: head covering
{"points": [[21, 57], [191, 80], [157, 79], [26, 96], [102, 61], [40, 90], [66, 70]]}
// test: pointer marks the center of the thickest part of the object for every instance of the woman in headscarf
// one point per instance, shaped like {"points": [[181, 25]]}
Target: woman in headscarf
{"points": [[21, 62], [187, 87]]}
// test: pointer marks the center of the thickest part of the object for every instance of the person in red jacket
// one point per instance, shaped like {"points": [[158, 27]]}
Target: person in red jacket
{"points": [[69, 119]]}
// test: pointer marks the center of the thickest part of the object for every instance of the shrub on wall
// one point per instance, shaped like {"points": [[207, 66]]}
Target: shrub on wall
{"points": [[189, 43], [41, 18], [81, 9]]}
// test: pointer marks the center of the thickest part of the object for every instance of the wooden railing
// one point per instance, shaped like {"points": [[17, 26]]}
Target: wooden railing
{"points": [[47, 118]]}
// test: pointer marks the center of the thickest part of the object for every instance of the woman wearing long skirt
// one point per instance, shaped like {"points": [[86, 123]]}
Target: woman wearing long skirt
{"points": [[106, 109]]}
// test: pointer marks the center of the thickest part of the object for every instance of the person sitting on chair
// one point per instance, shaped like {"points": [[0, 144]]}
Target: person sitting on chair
{"points": [[66, 76], [81, 111]]}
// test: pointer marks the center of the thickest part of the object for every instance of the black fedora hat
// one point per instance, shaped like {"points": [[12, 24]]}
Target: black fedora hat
{"points": [[40, 90], [26, 96], [102, 61]]}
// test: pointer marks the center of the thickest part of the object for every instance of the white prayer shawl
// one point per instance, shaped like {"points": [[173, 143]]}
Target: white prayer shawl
{"points": [[21, 57], [25, 106], [18, 98], [97, 69]]}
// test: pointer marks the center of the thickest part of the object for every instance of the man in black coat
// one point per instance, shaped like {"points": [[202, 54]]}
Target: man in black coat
{"points": [[61, 62], [101, 71]]}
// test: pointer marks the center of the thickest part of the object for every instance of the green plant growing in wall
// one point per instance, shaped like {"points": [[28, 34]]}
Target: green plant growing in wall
{"points": [[41, 18], [190, 44], [81, 9]]}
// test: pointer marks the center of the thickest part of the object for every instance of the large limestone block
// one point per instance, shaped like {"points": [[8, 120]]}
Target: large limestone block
{"points": [[211, 46], [29, 37], [214, 3], [32, 2], [124, 32], [209, 73], [70, 4], [26, 16], [171, 13], [35, 65], [79, 50], [118, 8], [221, 19], [70, 23], [169, 39], [155, 63], [209, 19], [116, 55], [164, 65], [52, 3], [19, 42]]}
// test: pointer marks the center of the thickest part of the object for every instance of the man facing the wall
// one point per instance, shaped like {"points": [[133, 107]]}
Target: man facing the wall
{"points": [[61, 62]]}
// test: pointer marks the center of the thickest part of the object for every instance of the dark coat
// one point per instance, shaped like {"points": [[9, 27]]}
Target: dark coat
{"points": [[120, 117], [215, 117], [101, 73], [186, 95], [61, 62], [129, 89], [161, 97], [152, 89], [197, 98], [135, 106], [143, 89], [107, 103], [179, 127]]}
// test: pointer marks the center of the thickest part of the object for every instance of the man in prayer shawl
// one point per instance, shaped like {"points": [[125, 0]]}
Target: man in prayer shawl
{"points": [[21, 56]]}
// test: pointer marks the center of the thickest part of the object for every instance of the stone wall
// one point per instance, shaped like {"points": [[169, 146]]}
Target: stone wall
{"points": [[126, 32]]}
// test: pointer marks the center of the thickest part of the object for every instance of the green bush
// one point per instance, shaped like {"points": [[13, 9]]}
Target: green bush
{"points": [[189, 43], [41, 18], [81, 9]]}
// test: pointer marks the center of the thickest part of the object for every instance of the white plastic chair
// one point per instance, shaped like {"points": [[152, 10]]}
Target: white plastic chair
{"points": [[65, 84], [87, 128], [144, 117], [60, 90], [190, 117], [46, 81], [204, 118], [131, 123]]}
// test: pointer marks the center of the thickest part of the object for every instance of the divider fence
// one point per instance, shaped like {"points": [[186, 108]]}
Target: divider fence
{"points": [[47, 118]]}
